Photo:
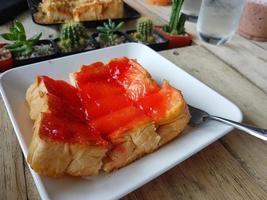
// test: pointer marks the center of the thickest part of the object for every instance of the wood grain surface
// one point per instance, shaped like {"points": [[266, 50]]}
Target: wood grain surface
{"points": [[235, 167]]}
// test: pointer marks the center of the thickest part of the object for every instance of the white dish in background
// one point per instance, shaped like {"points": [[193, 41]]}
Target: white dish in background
{"points": [[13, 85]]}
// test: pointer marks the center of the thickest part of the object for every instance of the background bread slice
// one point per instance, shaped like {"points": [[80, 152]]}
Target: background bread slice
{"points": [[53, 11]]}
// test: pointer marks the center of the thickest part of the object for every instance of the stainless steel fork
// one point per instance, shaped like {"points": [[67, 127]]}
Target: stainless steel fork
{"points": [[199, 116]]}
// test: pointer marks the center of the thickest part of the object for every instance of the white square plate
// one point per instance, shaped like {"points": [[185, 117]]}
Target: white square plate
{"points": [[13, 85]]}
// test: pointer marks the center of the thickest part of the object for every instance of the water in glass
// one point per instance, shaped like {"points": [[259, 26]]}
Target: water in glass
{"points": [[191, 8], [218, 20]]}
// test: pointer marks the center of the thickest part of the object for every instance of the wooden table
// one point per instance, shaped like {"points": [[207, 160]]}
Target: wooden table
{"points": [[235, 167]]}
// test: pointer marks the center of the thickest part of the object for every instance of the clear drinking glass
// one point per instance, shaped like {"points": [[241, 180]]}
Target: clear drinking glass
{"points": [[218, 20], [191, 8]]}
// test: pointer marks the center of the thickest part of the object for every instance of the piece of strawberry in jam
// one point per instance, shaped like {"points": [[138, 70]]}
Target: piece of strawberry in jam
{"points": [[65, 120], [64, 98], [94, 72], [105, 100], [132, 77], [125, 118], [159, 105], [121, 94]]}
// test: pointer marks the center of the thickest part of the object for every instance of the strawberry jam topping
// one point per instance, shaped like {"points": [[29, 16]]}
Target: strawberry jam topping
{"points": [[63, 98], [64, 129], [109, 99], [66, 120], [119, 95]]}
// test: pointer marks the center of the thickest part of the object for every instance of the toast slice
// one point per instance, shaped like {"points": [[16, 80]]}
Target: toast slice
{"points": [[130, 132], [113, 114], [63, 142], [98, 10], [165, 105], [53, 11], [121, 89]]}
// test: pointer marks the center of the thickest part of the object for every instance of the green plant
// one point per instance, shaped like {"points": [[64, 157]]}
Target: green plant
{"points": [[21, 45], [73, 37], [107, 31], [177, 19], [144, 31]]}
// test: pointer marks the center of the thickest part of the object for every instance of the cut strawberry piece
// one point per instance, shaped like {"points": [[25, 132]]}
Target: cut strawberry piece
{"points": [[132, 77], [99, 107], [100, 90], [119, 119], [94, 72], [63, 98], [162, 106], [154, 105]]}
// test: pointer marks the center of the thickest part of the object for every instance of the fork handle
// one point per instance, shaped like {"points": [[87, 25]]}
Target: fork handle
{"points": [[252, 130]]}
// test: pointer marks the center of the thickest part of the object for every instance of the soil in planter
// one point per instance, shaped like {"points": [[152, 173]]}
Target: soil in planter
{"points": [[6, 60], [158, 39], [4, 53], [89, 46], [119, 39], [39, 50]]}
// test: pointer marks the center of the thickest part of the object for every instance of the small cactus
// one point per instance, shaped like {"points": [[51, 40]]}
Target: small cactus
{"points": [[73, 37], [144, 31], [177, 21]]}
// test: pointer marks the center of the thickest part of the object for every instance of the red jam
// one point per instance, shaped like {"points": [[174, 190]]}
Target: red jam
{"points": [[67, 130], [63, 98], [66, 121], [112, 98], [118, 95]]}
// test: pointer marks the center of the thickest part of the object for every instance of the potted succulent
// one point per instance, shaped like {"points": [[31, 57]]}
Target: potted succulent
{"points": [[109, 34], [6, 60], [25, 51], [74, 38], [174, 32], [144, 34]]}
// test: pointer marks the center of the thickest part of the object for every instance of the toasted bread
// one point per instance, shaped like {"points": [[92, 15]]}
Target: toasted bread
{"points": [[54, 11], [58, 147], [129, 113], [140, 88], [131, 145], [131, 133]]}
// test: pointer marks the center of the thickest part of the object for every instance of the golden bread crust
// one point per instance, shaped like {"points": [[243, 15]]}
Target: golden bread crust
{"points": [[173, 129], [52, 158], [55, 11], [131, 145], [37, 100]]}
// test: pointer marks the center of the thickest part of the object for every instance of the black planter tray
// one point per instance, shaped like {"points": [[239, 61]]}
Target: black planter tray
{"points": [[127, 39], [10, 9], [37, 59], [159, 46], [129, 14], [61, 53], [58, 53]]}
